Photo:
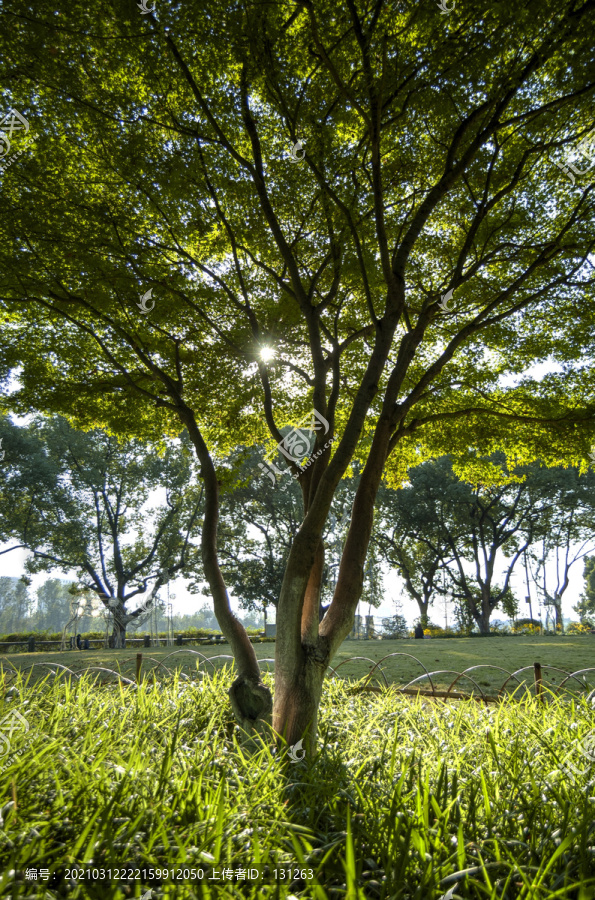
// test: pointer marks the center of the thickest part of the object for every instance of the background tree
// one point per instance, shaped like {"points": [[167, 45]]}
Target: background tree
{"points": [[566, 500], [412, 539], [372, 588], [444, 526], [482, 524], [395, 626], [204, 618], [79, 501], [15, 605], [52, 607], [425, 246], [586, 605]]}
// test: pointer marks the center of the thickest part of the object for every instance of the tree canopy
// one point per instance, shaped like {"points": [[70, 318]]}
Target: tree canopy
{"points": [[401, 274]]}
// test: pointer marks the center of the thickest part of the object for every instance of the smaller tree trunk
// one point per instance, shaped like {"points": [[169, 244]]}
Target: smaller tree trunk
{"points": [[486, 610], [118, 635], [559, 617]]}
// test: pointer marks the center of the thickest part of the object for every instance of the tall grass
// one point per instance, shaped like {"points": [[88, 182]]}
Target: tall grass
{"points": [[406, 798]]}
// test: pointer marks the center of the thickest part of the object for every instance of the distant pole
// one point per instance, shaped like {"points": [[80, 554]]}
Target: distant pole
{"points": [[528, 597], [139, 662], [170, 624]]}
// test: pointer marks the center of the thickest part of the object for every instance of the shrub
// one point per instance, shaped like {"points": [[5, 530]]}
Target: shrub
{"points": [[578, 628], [395, 627]]}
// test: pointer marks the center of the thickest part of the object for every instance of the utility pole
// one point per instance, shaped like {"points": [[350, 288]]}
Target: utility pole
{"points": [[528, 597]]}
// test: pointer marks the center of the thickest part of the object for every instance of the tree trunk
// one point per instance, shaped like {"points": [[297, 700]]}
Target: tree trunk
{"points": [[296, 702], [486, 610], [304, 648], [118, 629], [559, 618]]}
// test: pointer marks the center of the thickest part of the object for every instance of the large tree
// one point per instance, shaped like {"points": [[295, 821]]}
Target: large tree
{"points": [[566, 500], [465, 531], [586, 605], [412, 538], [422, 164], [54, 598], [15, 605], [80, 500]]}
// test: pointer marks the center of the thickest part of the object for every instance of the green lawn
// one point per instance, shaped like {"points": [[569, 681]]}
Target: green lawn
{"points": [[510, 653], [404, 799]]}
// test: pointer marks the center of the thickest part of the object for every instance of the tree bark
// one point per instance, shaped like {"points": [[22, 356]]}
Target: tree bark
{"points": [[297, 698], [304, 648], [251, 700], [120, 620], [559, 617], [118, 635], [486, 610]]}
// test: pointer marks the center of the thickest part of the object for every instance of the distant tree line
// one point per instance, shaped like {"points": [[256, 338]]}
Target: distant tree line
{"points": [[47, 610], [126, 517]]}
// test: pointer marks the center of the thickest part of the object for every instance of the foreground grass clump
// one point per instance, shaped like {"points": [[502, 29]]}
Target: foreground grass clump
{"points": [[406, 798]]}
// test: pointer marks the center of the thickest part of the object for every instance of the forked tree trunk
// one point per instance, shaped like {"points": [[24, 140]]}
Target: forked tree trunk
{"points": [[299, 673], [118, 628], [304, 647]]}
